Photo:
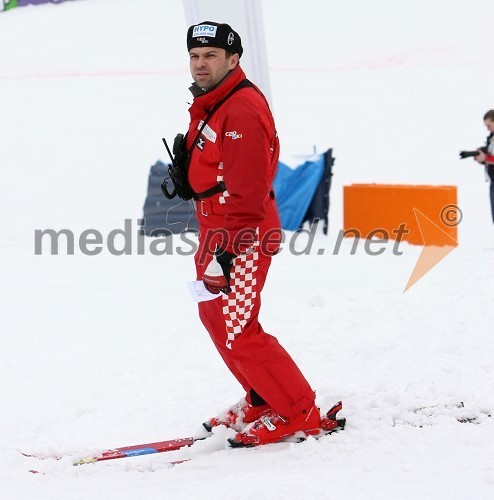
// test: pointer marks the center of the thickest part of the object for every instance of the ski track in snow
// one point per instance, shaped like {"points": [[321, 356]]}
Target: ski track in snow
{"points": [[104, 351]]}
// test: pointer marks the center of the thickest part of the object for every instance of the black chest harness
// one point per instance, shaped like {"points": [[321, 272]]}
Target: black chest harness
{"points": [[179, 169]]}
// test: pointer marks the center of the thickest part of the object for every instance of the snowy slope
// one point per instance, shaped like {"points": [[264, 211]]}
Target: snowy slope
{"points": [[106, 351]]}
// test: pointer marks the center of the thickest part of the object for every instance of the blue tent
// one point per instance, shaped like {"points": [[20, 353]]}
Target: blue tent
{"points": [[302, 194]]}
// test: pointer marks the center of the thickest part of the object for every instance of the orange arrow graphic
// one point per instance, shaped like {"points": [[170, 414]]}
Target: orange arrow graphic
{"points": [[430, 255]]}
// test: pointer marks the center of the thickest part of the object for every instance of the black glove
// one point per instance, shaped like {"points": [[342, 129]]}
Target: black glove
{"points": [[225, 260]]}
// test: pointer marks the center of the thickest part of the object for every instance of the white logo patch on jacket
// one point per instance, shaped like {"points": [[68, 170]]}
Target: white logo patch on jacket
{"points": [[200, 143], [234, 135], [208, 132]]}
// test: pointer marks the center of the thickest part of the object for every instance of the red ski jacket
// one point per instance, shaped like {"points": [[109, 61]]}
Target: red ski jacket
{"points": [[238, 146]]}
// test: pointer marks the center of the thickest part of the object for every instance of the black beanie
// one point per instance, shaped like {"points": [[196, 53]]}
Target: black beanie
{"points": [[213, 34]]}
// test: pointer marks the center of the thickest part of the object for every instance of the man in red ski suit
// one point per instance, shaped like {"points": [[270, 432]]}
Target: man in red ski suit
{"points": [[234, 151]]}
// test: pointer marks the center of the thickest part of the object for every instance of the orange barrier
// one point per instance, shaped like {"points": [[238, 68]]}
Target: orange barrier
{"points": [[428, 213]]}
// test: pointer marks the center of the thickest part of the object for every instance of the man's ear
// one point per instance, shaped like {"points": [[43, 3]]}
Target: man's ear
{"points": [[234, 60]]}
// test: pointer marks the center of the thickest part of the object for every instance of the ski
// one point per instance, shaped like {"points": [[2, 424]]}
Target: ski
{"points": [[41, 457], [329, 424], [455, 410], [431, 414], [138, 450], [125, 451]]}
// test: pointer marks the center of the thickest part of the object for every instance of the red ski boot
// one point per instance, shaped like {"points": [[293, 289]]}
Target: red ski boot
{"points": [[272, 427], [237, 416]]}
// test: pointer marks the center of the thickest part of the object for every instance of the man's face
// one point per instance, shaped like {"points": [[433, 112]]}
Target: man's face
{"points": [[490, 125], [209, 65]]}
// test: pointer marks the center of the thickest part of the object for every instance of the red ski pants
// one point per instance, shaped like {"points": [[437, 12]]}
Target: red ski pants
{"points": [[254, 357]]}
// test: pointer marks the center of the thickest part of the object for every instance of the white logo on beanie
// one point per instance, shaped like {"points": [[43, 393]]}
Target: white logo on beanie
{"points": [[204, 30], [231, 38]]}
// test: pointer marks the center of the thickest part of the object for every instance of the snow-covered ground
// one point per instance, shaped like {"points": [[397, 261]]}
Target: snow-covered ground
{"points": [[102, 351]]}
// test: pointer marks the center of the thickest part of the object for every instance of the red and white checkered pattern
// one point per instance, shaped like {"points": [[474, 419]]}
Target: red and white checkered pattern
{"points": [[219, 178], [223, 196], [238, 305]]}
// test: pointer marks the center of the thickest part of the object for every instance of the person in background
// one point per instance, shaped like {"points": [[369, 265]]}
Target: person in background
{"points": [[487, 158]]}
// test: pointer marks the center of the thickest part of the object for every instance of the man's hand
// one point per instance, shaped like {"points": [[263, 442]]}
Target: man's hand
{"points": [[480, 158], [216, 277]]}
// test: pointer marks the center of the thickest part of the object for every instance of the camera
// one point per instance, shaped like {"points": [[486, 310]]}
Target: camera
{"points": [[472, 154]]}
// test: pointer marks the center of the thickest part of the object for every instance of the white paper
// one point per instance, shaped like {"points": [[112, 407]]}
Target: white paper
{"points": [[199, 293]]}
